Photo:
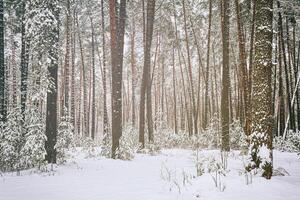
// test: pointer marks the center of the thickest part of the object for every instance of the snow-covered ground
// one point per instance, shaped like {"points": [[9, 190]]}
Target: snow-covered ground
{"points": [[169, 175]]}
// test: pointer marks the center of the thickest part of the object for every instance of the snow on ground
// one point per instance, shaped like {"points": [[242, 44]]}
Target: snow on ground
{"points": [[148, 177]]}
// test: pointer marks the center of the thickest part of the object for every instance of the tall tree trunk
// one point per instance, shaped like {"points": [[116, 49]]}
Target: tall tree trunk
{"points": [[84, 83], [206, 112], [51, 116], [133, 72], [243, 68], [24, 61], [225, 76], [105, 116], [194, 110], [286, 70], [261, 128], [146, 87], [117, 30], [73, 50], [174, 91], [280, 92], [93, 83], [67, 59], [3, 109]]}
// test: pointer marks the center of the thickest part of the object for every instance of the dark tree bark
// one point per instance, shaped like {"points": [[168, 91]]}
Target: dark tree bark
{"points": [[146, 87], [243, 68], [3, 109], [286, 69], [51, 116], [117, 30]]}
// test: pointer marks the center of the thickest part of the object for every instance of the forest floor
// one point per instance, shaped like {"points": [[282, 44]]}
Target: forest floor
{"points": [[170, 175]]}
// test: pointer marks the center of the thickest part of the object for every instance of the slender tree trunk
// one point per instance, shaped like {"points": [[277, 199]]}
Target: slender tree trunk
{"points": [[105, 115], [206, 112], [225, 78], [67, 59], [146, 87], [194, 110], [286, 71], [3, 109], [94, 83], [133, 73], [84, 84], [174, 91], [73, 50], [243, 68], [24, 62]]}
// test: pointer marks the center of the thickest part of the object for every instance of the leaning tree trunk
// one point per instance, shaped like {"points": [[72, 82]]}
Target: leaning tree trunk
{"points": [[262, 116]]}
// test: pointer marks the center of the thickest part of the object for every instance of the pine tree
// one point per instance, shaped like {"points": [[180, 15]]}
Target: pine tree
{"points": [[33, 151], [12, 140], [65, 139]]}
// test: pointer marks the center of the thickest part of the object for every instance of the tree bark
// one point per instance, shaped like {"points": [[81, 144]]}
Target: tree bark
{"points": [[225, 77]]}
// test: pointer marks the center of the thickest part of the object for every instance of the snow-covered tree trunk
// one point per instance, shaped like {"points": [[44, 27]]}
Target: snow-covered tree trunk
{"points": [[262, 118]]}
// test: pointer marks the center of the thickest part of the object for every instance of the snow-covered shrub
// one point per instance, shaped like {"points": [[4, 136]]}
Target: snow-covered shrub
{"points": [[128, 144], [12, 140], [106, 146], [65, 139], [174, 179], [259, 157], [89, 147], [246, 173], [210, 137], [33, 151], [290, 144], [199, 161], [237, 136], [218, 172]]}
